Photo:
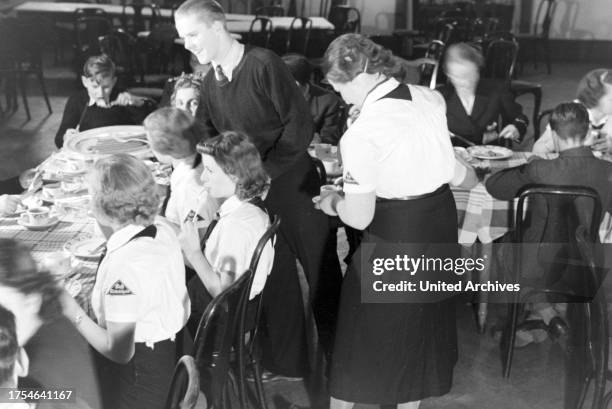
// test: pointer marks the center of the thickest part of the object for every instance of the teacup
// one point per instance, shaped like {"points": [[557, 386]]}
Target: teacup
{"points": [[332, 166], [328, 189], [322, 149], [37, 216], [52, 190]]}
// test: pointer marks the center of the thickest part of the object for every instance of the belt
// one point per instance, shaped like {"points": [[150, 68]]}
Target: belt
{"points": [[415, 197]]}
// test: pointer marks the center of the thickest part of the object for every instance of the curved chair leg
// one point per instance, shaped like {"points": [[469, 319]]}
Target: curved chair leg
{"points": [[24, 97], [43, 88], [261, 395], [508, 338]]}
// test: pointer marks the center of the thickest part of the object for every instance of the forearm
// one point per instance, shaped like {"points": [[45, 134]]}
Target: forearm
{"points": [[205, 272], [99, 338], [355, 213]]}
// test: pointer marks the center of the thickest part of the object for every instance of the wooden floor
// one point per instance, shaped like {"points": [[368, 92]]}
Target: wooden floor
{"points": [[538, 375]]}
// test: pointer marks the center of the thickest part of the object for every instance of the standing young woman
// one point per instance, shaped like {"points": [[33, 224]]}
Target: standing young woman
{"points": [[398, 161]]}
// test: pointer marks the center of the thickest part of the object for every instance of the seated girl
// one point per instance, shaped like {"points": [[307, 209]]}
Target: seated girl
{"points": [[233, 174], [101, 103], [186, 93], [173, 135], [139, 299]]}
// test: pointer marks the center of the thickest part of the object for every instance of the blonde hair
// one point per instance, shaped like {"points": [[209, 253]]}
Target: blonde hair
{"points": [[173, 132], [123, 191], [207, 10]]}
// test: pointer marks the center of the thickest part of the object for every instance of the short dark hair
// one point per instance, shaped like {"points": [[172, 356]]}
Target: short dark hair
{"points": [[464, 52], [570, 120], [8, 345], [237, 156], [99, 64], [18, 271], [592, 86], [299, 67], [173, 132], [208, 10]]}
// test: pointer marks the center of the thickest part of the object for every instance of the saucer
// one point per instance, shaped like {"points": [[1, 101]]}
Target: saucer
{"points": [[53, 220]]}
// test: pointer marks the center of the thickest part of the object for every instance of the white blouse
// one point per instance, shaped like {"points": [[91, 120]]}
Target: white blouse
{"points": [[398, 147]]}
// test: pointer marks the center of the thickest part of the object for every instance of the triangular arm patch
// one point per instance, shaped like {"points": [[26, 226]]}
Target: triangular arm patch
{"points": [[119, 289]]}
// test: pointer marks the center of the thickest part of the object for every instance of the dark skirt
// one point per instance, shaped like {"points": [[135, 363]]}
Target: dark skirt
{"points": [[143, 382], [403, 352]]}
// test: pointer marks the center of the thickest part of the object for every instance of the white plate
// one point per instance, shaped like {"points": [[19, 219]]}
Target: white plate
{"points": [[490, 152], [36, 227], [109, 140], [84, 248]]}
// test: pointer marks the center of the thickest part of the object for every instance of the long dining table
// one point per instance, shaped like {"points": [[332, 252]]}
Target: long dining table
{"points": [[75, 225], [236, 23]]}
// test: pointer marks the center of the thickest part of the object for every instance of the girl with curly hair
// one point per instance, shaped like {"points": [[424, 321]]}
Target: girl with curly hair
{"points": [[233, 174], [140, 300]]}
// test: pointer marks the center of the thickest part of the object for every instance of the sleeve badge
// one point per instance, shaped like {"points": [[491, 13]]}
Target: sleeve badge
{"points": [[118, 288]]}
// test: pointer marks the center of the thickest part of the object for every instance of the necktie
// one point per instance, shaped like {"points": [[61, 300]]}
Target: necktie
{"points": [[209, 230], [221, 77]]}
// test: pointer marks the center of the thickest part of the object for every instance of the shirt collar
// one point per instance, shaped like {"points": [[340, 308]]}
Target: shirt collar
{"points": [[230, 205], [231, 60], [579, 151], [122, 236], [380, 91]]}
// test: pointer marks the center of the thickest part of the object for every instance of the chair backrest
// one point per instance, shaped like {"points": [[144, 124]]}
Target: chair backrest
{"points": [[428, 71], [543, 118], [270, 11], [88, 30], [298, 36], [260, 32], [564, 209], [569, 206], [159, 49], [121, 48], [185, 385], [216, 335], [345, 19], [544, 17], [137, 21], [500, 59]]}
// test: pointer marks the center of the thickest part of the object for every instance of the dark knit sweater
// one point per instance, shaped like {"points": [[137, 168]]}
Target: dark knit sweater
{"points": [[95, 116], [263, 101]]}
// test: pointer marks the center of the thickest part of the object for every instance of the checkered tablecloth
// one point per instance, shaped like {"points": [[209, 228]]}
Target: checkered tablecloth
{"points": [[479, 214], [483, 217], [42, 243]]}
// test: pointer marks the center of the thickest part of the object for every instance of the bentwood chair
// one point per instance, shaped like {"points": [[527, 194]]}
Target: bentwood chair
{"points": [[539, 38], [247, 341], [298, 36], [185, 385], [345, 19], [214, 341], [260, 32], [22, 41], [563, 275], [120, 46]]}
